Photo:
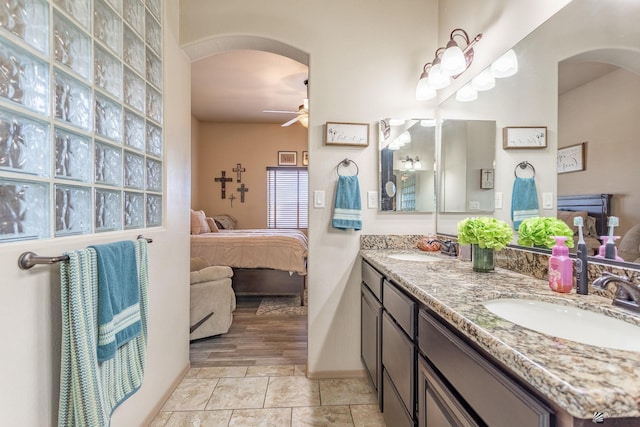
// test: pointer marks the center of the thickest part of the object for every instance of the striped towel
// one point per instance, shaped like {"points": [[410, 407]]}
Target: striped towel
{"points": [[524, 200], [347, 208], [89, 390]]}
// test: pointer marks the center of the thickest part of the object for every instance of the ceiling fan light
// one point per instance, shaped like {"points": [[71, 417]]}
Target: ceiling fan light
{"points": [[304, 120], [453, 61], [484, 80], [506, 65], [466, 93], [437, 79]]}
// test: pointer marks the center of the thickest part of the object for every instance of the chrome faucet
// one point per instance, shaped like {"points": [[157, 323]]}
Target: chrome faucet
{"points": [[627, 293], [448, 247]]}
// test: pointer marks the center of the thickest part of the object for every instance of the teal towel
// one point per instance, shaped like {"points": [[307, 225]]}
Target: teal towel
{"points": [[524, 200], [347, 207], [118, 297], [89, 390]]}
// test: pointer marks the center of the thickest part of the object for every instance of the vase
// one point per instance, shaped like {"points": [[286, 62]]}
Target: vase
{"points": [[482, 259]]}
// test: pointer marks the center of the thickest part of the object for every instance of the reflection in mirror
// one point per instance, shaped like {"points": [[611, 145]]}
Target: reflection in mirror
{"points": [[407, 176], [467, 159], [579, 76]]}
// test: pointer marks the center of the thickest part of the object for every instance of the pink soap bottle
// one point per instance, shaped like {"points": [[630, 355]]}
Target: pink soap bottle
{"points": [[560, 267]]}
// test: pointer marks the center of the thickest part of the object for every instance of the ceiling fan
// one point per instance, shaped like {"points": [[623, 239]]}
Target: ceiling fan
{"points": [[302, 115]]}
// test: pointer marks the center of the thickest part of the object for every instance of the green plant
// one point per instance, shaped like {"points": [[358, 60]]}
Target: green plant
{"points": [[539, 231], [485, 231]]}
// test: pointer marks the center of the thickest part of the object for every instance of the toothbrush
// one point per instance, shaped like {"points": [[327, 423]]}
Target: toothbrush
{"points": [[610, 247], [581, 259]]}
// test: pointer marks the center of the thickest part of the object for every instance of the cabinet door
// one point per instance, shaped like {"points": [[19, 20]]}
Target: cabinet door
{"points": [[437, 406], [370, 345], [399, 361]]}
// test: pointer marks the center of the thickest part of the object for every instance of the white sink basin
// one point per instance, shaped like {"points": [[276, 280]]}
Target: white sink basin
{"points": [[568, 322], [414, 257]]}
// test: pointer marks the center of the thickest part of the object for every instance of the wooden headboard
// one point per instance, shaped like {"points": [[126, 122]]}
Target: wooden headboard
{"points": [[597, 205]]}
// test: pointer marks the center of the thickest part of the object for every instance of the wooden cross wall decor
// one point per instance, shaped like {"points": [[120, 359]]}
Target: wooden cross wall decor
{"points": [[223, 180], [242, 189], [232, 198], [238, 170]]}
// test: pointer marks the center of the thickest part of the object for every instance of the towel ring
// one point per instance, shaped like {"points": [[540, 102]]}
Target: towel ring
{"points": [[346, 163], [524, 165]]}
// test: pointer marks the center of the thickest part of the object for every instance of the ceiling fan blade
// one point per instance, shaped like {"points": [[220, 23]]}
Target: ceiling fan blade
{"points": [[279, 111], [290, 122]]}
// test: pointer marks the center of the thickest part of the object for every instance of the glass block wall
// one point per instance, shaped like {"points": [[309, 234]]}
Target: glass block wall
{"points": [[81, 143]]}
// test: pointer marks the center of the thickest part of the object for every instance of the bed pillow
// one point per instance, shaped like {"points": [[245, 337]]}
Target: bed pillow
{"points": [[568, 216], [227, 221], [199, 223], [590, 228], [212, 225]]}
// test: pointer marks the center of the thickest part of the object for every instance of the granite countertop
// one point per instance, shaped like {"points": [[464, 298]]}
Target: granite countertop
{"points": [[579, 378]]}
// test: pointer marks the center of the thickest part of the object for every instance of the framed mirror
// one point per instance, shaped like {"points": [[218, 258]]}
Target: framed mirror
{"points": [[580, 78], [407, 175]]}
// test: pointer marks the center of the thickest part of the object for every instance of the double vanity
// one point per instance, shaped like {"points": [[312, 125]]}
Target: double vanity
{"points": [[440, 351]]}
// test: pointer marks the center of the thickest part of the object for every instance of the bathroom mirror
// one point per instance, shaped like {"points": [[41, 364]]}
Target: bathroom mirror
{"points": [[407, 175], [579, 75], [468, 161]]}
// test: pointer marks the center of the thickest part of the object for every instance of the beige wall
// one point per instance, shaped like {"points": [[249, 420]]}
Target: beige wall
{"points": [[30, 300], [364, 63], [604, 115], [195, 171], [221, 146]]}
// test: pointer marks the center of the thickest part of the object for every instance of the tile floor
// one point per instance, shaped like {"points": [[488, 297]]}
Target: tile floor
{"points": [[278, 396]]}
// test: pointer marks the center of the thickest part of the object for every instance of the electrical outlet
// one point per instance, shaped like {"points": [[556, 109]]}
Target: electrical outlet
{"points": [[372, 199], [474, 205], [318, 199], [498, 200]]}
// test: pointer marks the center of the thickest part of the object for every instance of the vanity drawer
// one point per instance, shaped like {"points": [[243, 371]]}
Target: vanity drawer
{"points": [[400, 307], [373, 279], [482, 386], [399, 361]]}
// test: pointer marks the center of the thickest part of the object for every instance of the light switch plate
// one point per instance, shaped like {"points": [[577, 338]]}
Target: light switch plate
{"points": [[474, 205], [318, 199], [498, 199], [547, 200], [372, 199]]}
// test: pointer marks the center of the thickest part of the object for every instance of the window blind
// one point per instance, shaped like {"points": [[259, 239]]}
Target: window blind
{"points": [[287, 197]]}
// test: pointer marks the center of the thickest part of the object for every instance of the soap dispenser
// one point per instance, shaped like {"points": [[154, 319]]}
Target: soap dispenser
{"points": [[560, 267]]}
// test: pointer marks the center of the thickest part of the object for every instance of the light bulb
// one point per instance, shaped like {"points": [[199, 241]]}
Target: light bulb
{"points": [[417, 164], [453, 60], [437, 79], [424, 92], [506, 65], [484, 80]]}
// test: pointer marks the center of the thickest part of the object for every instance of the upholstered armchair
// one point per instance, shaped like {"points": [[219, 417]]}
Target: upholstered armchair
{"points": [[212, 299]]}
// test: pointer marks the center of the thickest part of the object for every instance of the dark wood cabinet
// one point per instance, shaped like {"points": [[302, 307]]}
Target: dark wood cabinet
{"points": [[371, 326]]}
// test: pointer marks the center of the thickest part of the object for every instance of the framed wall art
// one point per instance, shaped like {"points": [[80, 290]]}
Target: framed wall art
{"points": [[524, 137], [305, 158], [287, 158], [572, 158], [356, 134]]}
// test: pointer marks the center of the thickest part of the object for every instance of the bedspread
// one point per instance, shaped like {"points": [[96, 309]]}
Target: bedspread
{"points": [[277, 249]]}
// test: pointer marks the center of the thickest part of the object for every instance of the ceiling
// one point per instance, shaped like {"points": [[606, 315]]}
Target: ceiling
{"points": [[572, 74], [237, 85]]}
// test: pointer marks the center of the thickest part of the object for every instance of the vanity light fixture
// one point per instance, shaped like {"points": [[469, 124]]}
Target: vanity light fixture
{"points": [[467, 93], [484, 80], [506, 65], [424, 92], [438, 78], [411, 164]]}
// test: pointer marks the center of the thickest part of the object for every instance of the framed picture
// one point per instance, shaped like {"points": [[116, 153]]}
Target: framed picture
{"points": [[572, 158], [356, 134], [524, 137], [287, 158], [305, 158], [486, 178]]}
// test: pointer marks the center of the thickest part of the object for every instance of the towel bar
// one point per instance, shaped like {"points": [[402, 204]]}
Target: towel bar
{"points": [[346, 162], [26, 260]]}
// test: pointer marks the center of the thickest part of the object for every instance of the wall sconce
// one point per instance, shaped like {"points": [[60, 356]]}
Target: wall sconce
{"points": [[448, 62]]}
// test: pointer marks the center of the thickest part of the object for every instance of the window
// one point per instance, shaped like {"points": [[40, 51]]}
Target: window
{"points": [[287, 197]]}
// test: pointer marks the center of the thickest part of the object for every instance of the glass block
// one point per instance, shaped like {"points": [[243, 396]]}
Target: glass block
{"points": [[74, 157], [107, 27], [72, 101], [27, 19], [116, 5], [133, 210], [133, 170], [133, 51], [134, 15], [24, 210], [154, 140], [24, 144], [154, 104], [155, 6], [71, 46], [133, 130], [133, 88], [154, 210], [153, 34], [73, 210], [154, 69], [108, 164], [154, 175], [108, 118], [108, 214], [107, 72], [24, 79], [79, 9]]}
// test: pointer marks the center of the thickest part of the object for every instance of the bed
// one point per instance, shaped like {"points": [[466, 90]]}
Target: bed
{"points": [[594, 209], [264, 261]]}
